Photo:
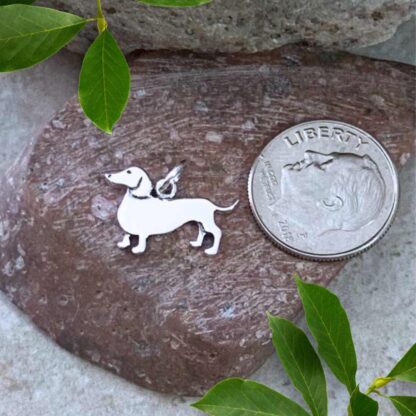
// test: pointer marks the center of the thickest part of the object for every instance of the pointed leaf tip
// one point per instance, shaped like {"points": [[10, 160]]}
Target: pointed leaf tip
{"points": [[362, 405], [301, 363], [329, 324], [104, 84], [30, 34], [405, 369]]}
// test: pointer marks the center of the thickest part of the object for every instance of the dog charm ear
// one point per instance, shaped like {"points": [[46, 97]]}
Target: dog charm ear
{"points": [[143, 189]]}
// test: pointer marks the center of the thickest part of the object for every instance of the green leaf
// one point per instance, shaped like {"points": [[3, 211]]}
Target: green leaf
{"points": [[405, 405], [30, 34], [104, 83], [7, 2], [175, 3], [301, 363], [405, 369], [362, 405], [330, 327], [237, 397]]}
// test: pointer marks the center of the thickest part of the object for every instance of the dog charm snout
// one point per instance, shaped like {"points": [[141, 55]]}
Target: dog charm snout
{"points": [[146, 210]]}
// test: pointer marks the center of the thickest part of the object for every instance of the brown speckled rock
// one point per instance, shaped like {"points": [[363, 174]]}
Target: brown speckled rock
{"points": [[174, 319]]}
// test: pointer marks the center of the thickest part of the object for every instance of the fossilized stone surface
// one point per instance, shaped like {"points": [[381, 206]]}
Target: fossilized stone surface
{"points": [[174, 319], [244, 25]]}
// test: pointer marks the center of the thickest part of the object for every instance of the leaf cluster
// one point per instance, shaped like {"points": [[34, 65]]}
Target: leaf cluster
{"points": [[29, 34], [330, 327]]}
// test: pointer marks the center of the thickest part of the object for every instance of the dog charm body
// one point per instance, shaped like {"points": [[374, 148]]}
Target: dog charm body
{"points": [[146, 211]]}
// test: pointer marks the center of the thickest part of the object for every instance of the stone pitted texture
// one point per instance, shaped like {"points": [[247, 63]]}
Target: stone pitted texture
{"points": [[244, 25], [175, 319]]}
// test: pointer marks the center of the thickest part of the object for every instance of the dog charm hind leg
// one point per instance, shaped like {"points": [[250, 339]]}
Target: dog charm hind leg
{"points": [[201, 234], [217, 234]]}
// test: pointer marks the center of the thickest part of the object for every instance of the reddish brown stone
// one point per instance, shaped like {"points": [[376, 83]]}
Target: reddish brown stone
{"points": [[174, 319]]}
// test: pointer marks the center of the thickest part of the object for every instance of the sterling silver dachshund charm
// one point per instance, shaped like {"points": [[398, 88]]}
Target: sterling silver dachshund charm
{"points": [[147, 210]]}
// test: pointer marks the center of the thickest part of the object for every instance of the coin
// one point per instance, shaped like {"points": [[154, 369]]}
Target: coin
{"points": [[324, 190]]}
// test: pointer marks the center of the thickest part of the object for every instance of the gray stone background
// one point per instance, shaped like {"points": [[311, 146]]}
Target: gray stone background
{"points": [[243, 25], [37, 378]]}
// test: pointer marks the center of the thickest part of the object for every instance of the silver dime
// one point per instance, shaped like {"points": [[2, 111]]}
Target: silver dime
{"points": [[324, 190]]}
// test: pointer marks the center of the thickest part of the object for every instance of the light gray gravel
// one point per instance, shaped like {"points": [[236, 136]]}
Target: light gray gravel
{"points": [[37, 378]]}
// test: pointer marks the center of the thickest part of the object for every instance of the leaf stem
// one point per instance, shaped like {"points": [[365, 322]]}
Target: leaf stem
{"points": [[101, 21], [99, 9]]}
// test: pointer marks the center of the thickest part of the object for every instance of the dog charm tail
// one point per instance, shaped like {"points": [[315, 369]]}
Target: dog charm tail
{"points": [[227, 209]]}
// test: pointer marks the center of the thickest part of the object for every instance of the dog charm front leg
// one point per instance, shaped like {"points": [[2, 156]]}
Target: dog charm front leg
{"points": [[141, 247], [125, 242]]}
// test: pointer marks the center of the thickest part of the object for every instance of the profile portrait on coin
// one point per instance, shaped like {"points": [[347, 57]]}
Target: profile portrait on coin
{"points": [[331, 192]]}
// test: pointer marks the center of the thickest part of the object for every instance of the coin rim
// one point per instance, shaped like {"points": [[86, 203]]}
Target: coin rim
{"points": [[345, 254]]}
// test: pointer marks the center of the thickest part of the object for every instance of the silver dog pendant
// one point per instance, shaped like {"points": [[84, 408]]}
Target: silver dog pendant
{"points": [[147, 210]]}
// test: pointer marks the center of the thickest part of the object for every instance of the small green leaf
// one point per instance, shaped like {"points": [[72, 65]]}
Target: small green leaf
{"points": [[362, 405], [175, 3], [329, 325], [301, 363], [104, 83], [405, 369], [237, 397], [405, 405], [7, 2], [30, 34]]}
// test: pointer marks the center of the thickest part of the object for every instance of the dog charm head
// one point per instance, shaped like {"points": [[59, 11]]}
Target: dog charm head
{"points": [[147, 210], [135, 179]]}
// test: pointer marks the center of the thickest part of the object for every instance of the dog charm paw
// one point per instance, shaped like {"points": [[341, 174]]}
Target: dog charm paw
{"points": [[137, 250], [147, 210], [195, 244], [212, 251], [125, 242]]}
